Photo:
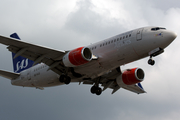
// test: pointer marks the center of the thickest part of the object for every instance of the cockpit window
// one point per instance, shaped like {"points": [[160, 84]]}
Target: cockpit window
{"points": [[157, 28]]}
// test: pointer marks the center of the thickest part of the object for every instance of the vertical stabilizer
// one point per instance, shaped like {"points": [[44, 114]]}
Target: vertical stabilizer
{"points": [[20, 63]]}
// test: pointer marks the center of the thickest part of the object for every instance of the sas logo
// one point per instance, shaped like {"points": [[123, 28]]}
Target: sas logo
{"points": [[21, 65], [159, 34]]}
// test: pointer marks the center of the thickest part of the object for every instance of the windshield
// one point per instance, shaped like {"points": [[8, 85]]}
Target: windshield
{"points": [[157, 28]]}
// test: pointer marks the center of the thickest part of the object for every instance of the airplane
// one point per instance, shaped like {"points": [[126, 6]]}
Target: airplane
{"points": [[96, 64]]}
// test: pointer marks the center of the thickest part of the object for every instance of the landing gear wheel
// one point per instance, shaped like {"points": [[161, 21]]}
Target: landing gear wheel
{"points": [[65, 79], [151, 62], [93, 89], [96, 90], [61, 78]]}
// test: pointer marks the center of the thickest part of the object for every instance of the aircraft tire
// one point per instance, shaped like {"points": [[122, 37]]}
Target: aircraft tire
{"points": [[61, 78], [67, 80], [151, 62], [98, 91], [93, 89]]}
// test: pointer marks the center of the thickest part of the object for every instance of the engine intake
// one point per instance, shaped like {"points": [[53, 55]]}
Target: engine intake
{"points": [[131, 77], [78, 56]]}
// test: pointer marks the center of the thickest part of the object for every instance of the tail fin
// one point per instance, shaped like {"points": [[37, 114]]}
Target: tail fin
{"points": [[20, 63]]}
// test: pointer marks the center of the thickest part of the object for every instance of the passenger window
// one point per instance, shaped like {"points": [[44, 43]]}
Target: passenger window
{"points": [[123, 37], [120, 38], [126, 36], [117, 39], [114, 40], [129, 35], [111, 41]]}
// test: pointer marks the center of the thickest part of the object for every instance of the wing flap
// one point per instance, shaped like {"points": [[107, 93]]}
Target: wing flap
{"points": [[9, 75], [132, 88]]}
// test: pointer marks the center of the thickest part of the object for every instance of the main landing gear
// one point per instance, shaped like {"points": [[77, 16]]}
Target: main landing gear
{"points": [[96, 90], [65, 79]]}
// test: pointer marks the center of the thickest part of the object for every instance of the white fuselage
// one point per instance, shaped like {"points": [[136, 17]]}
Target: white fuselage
{"points": [[112, 52]]}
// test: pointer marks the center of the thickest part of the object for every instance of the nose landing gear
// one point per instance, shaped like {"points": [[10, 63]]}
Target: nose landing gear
{"points": [[151, 61], [154, 53]]}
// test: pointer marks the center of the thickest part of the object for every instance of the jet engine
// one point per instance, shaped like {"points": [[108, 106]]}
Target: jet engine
{"points": [[78, 56], [130, 77]]}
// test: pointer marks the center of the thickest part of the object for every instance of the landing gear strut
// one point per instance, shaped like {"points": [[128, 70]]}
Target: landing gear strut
{"points": [[65, 79]]}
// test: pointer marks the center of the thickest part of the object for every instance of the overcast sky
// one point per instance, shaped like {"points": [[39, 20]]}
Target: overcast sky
{"points": [[70, 24]]}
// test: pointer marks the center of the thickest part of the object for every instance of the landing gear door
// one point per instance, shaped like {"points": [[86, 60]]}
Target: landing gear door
{"points": [[139, 34]]}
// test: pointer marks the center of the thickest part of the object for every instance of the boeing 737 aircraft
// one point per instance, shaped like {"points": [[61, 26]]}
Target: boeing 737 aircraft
{"points": [[96, 64]]}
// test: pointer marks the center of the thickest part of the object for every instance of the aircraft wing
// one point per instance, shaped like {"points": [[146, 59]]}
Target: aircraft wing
{"points": [[34, 52], [137, 88], [109, 81], [133, 88], [9, 75]]}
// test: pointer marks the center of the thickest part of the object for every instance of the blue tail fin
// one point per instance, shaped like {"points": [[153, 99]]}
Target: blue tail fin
{"points": [[20, 63]]}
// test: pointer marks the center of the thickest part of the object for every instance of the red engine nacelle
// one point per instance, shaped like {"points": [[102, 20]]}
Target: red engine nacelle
{"points": [[78, 56], [130, 77]]}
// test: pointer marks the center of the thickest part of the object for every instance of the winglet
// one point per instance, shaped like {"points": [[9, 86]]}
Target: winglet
{"points": [[139, 84], [15, 35]]}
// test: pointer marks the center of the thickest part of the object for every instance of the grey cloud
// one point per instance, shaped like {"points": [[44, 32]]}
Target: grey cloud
{"points": [[83, 25], [88, 23]]}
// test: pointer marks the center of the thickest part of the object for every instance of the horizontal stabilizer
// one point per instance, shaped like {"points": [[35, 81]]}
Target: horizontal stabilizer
{"points": [[9, 75]]}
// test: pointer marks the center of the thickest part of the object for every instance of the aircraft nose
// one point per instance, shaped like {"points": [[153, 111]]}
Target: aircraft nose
{"points": [[168, 38], [172, 35]]}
